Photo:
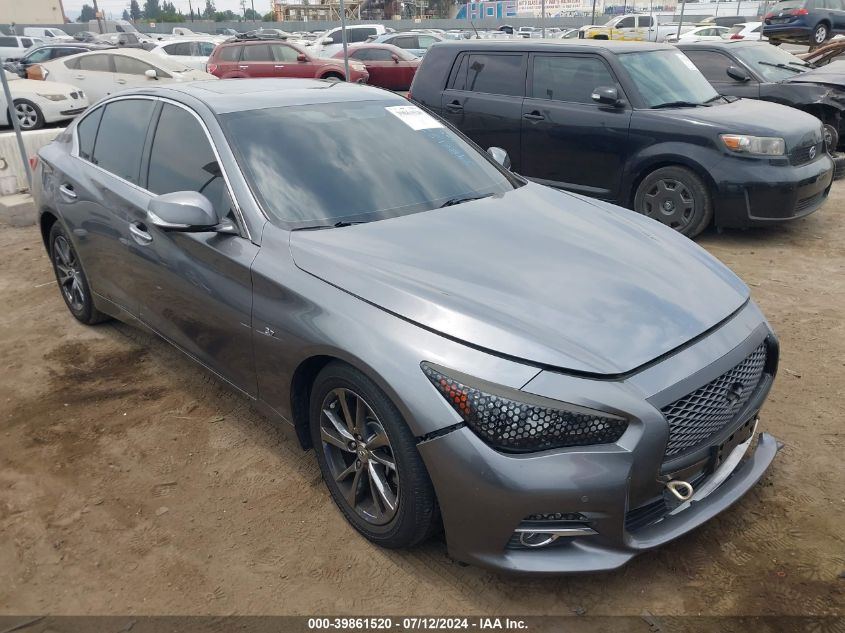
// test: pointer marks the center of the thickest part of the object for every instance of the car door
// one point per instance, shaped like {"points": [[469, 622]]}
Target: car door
{"points": [[93, 73], [484, 97], [714, 66], [99, 191], [380, 65], [193, 288], [257, 61], [286, 62], [228, 60], [569, 140], [130, 72], [626, 29]]}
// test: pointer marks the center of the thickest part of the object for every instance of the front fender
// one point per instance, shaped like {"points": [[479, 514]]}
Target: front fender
{"points": [[698, 158]]}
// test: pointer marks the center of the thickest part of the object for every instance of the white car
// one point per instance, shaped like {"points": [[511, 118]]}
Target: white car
{"points": [[190, 51], [747, 31], [701, 34], [46, 33], [39, 102], [13, 47], [103, 73]]}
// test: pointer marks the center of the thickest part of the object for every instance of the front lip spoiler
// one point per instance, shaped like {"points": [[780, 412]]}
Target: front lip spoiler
{"points": [[734, 488]]}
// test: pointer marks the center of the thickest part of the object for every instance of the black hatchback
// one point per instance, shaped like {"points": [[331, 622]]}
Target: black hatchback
{"points": [[42, 54], [633, 123]]}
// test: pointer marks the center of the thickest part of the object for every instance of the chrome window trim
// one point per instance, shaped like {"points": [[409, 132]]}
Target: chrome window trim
{"points": [[75, 153]]}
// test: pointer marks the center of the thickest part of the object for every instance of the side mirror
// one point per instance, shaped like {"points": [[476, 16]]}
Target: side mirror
{"points": [[182, 211], [395, 57], [606, 95], [302, 57], [150, 74], [738, 74], [500, 156]]}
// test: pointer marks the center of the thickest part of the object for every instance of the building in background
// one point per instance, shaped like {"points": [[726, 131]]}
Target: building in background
{"points": [[32, 12]]}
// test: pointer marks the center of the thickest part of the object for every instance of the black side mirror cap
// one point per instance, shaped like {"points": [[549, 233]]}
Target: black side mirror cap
{"points": [[738, 74], [606, 95]]}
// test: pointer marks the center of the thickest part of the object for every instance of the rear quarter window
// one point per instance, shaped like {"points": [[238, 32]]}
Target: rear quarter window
{"points": [[229, 53], [499, 74]]}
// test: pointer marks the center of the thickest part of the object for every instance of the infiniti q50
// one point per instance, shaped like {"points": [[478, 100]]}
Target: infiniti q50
{"points": [[557, 383]]}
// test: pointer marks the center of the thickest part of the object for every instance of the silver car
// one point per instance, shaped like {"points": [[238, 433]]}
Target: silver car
{"points": [[559, 383]]}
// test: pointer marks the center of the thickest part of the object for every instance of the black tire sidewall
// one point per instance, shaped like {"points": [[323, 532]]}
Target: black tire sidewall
{"points": [[703, 210], [415, 517], [88, 314]]}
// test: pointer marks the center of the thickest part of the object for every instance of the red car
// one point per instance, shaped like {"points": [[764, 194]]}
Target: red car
{"points": [[272, 57], [389, 66]]}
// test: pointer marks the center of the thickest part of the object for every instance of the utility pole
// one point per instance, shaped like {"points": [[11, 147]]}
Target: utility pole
{"points": [[253, 11], [681, 21], [191, 9], [593, 16], [543, 18], [343, 37], [99, 17]]}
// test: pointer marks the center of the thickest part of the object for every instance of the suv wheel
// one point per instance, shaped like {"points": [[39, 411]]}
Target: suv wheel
{"points": [[831, 138], [369, 459], [820, 34], [677, 197]]}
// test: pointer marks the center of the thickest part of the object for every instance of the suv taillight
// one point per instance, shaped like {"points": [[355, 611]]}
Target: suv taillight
{"points": [[799, 12], [211, 68], [737, 36]]}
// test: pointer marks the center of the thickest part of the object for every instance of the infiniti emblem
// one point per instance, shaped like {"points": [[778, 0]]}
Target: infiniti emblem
{"points": [[734, 393], [812, 152]]}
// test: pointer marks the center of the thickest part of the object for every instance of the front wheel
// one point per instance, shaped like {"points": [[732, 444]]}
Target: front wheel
{"points": [[677, 197], [820, 35], [29, 115], [831, 138], [369, 459]]}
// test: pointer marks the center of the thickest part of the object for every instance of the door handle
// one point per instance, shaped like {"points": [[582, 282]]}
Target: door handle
{"points": [[454, 107], [533, 116], [120, 81], [243, 67], [68, 192], [279, 66], [79, 77], [139, 233]]}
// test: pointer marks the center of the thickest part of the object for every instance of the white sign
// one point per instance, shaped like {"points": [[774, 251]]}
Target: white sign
{"points": [[414, 118]]}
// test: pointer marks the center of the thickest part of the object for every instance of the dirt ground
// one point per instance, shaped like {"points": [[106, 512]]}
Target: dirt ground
{"points": [[133, 483]]}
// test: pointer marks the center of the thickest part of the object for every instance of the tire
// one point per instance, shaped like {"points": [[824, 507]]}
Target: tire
{"points": [[820, 34], [30, 116], [838, 166], [831, 138], [677, 197], [332, 77], [73, 284], [363, 464]]}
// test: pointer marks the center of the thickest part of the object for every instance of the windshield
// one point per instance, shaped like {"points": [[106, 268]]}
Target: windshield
{"points": [[356, 162], [774, 64], [665, 77]]}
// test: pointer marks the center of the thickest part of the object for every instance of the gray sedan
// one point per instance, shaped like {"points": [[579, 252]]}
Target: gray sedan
{"points": [[558, 383]]}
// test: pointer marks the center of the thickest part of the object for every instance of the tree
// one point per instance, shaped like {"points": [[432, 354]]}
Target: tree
{"points": [[251, 14], [86, 14], [126, 15], [268, 17], [209, 12], [134, 10], [152, 9]]}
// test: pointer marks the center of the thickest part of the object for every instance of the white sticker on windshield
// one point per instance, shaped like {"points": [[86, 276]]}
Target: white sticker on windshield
{"points": [[414, 118], [686, 61]]}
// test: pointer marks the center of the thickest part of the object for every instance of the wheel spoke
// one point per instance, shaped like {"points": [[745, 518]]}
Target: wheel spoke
{"points": [[384, 461], [339, 427], [385, 494], [352, 495], [345, 474], [330, 438], [361, 410], [76, 290], [344, 406], [378, 440]]}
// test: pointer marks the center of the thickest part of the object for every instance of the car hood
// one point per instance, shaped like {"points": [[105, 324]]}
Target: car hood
{"points": [[547, 277], [833, 74], [31, 87], [750, 116]]}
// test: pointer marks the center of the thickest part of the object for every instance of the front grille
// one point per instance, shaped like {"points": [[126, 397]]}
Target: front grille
{"points": [[698, 416], [802, 155], [806, 203]]}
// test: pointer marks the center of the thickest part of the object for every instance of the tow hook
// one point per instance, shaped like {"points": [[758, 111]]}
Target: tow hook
{"points": [[681, 489]]}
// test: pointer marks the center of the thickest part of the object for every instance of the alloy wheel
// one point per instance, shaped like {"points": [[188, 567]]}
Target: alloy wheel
{"points": [[670, 201], [27, 115], [820, 34], [69, 273], [359, 456]]}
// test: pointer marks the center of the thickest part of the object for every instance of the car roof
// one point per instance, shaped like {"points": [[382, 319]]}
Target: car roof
{"points": [[723, 44], [528, 45], [236, 95]]}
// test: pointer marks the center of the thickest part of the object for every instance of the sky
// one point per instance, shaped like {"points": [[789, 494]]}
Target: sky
{"points": [[116, 7]]}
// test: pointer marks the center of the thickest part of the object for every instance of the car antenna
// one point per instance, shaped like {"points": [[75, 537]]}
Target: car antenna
{"points": [[477, 36]]}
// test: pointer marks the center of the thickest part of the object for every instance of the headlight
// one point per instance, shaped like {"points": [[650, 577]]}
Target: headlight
{"points": [[766, 145], [518, 422], [53, 97]]}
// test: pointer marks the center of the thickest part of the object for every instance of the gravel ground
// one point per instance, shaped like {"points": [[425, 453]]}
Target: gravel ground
{"points": [[132, 482]]}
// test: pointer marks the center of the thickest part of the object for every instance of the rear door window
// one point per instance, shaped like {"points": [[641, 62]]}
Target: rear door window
{"points": [[360, 35], [257, 53], [405, 41], [569, 78], [96, 63], [284, 53], [26, 42], [230, 53], [121, 136], [495, 74], [180, 48], [86, 133]]}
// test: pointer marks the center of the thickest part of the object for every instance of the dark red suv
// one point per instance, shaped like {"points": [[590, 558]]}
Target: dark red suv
{"points": [[243, 58]]}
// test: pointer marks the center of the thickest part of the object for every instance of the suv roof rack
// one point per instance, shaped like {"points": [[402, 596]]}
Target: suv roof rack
{"points": [[254, 36]]}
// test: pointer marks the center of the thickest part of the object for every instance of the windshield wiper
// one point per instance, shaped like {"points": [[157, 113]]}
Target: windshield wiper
{"points": [[712, 99], [461, 199], [784, 66], [677, 104], [336, 225]]}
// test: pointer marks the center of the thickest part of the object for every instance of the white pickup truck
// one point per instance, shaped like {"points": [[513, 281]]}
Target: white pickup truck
{"points": [[634, 27]]}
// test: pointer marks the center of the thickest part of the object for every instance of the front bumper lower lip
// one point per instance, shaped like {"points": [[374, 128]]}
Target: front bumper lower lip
{"points": [[504, 490]]}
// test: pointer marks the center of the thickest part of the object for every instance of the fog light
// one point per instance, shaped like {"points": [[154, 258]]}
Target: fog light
{"points": [[543, 530]]}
